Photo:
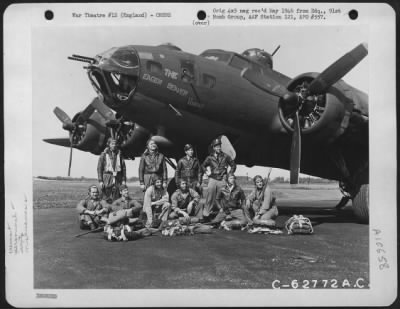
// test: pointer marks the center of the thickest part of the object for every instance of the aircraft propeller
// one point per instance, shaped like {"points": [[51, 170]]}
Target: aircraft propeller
{"points": [[305, 98], [76, 128], [117, 126]]}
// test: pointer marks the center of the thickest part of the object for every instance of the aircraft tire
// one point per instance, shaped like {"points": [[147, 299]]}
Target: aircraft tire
{"points": [[361, 204]]}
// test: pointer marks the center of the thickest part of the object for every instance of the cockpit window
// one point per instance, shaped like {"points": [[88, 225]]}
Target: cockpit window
{"points": [[121, 84], [239, 63], [126, 58], [217, 55], [188, 74], [98, 81], [260, 56]]}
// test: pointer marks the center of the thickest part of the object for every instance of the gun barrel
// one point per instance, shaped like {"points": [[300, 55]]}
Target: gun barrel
{"points": [[276, 49], [80, 59], [84, 57]]}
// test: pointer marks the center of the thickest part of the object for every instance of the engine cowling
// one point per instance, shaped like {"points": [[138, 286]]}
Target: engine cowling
{"points": [[324, 116], [92, 135], [133, 139]]}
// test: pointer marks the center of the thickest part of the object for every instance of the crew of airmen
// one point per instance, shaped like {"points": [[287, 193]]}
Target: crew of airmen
{"points": [[224, 205]]}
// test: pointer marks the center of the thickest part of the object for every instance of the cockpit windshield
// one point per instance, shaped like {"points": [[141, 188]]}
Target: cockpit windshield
{"points": [[112, 84], [115, 76], [125, 58], [217, 55], [260, 56], [122, 85], [98, 82]]}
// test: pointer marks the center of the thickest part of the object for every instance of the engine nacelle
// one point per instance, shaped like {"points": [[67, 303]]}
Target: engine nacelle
{"points": [[133, 140], [324, 116], [92, 135]]}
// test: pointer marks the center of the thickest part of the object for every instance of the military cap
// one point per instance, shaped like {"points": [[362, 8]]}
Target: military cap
{"points": [[187, 147], [216, 142]]}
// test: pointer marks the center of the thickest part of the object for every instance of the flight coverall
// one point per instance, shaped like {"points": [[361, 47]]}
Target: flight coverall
{"points": [[188, 201], [189, 169], [159, 211], [230, 200], [111, 171], [152, 164], [86, 219], [260, 207], [125, 208], [218, 165]]}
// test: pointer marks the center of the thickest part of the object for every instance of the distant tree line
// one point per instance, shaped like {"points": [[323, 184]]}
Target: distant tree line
{"points": [[82, 178], [239, 179], [304, 180]]}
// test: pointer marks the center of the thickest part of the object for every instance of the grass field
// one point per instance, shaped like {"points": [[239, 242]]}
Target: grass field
{"points": [[66, 194]]}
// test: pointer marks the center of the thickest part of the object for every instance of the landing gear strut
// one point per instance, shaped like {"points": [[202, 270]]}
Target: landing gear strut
{"points": [[353, 187]]}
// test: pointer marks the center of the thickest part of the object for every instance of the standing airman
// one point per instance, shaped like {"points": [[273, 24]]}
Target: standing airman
{"points": [[152, 164], [189, 169], [216, 167], [111, 171]]}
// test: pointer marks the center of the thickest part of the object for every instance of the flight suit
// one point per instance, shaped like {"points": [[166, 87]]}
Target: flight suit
{"points": [[217, 180], [152, 164], [231, 199], [92, 205], [111, 170], [260, 207], [189, 169], [160, 210], [188, 201], [125, 209]]}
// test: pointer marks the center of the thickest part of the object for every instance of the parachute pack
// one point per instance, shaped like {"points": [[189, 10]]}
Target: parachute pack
{"points": [[299, 225]]}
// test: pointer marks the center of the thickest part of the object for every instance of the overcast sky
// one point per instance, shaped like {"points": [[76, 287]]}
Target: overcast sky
{"points": [[58, 81]]}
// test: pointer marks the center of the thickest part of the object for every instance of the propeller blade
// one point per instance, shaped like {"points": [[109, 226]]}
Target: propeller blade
{"points": [[64, 118], [295, 152], [85, 114], [65, 142], [103, 109], [338, 69], [161, 141], [70, 160]]}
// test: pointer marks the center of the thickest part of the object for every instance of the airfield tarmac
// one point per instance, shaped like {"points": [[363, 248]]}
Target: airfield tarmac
{"points": [[336, 254]]}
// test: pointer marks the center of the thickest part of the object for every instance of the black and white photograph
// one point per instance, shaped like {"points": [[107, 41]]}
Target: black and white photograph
{"points": [[226, 157]]}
